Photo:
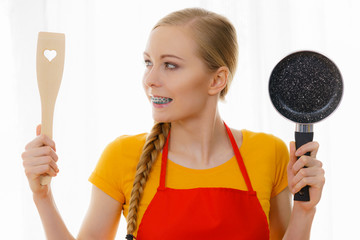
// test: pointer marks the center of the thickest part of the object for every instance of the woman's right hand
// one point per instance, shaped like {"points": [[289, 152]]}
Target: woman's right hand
{"points": [[39, 159]]}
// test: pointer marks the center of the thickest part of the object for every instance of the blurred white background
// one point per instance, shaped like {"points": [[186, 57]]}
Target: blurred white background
{"points": [[101, 96]]}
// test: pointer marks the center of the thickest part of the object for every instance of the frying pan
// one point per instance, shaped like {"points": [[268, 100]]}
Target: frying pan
{"points": [[305, 87]]}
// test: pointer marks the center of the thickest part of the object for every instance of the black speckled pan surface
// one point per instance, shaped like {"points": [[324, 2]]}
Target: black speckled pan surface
{"points": [[305, 87]]}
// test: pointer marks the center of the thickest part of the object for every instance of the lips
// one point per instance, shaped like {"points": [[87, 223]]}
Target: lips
{"points": [[160, 100]]}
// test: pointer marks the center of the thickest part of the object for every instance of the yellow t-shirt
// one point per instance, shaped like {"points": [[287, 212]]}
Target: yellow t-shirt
{"points": [[265, 157]]}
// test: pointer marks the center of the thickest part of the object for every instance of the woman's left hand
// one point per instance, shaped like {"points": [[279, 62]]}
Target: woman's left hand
{"points": [[299, 177]]}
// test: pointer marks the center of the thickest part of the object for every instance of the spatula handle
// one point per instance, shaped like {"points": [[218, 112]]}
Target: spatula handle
{"points": [[45, 180], [47, 113]]}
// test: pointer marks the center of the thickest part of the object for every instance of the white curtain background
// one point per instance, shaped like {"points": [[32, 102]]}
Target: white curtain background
{"points": [[101, 96]]}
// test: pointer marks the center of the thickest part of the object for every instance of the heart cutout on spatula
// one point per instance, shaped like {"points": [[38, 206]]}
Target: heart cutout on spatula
{"points": [[50, 54]]}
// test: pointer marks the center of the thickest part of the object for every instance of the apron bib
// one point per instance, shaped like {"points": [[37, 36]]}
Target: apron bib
{"points": [[204, 213]]}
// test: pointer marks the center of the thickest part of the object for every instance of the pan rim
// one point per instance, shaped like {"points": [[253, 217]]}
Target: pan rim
{"points": [[307, 117]]}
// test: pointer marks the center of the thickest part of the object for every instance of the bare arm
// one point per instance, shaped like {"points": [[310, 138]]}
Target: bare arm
{"points": [[101, 220], [280, 212], [288, 223], [300, 224], [296, 223], [53, 224], [103, 215]]}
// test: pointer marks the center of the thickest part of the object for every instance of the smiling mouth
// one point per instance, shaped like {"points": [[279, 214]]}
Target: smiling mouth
{"points": [[160, 100]]}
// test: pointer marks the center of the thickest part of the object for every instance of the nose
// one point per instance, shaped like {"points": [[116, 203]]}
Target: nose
{"points": [[152, 77]]}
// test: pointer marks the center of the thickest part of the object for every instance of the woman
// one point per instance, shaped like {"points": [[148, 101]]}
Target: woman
{"points": [[182, 180]]}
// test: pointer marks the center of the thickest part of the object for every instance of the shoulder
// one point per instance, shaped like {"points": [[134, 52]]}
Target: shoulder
{"points": [[264, 142], [129, 142], [124, 147], [262, 137], [120, 155], [117, 163]]}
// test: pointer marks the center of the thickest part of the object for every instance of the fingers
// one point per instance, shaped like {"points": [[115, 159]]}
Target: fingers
{"points": [[311, 147], [40, 157], [305, 161], [36, 171], [293, 158], [41, 151], [44, 163], [306, 170], [39, 141], [34, 167], [38, 130], [317, 181], [313, 177], [45, 160]]}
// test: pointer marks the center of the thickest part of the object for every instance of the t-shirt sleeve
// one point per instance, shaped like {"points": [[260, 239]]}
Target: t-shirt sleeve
{"points": [[107, 175], [281, 163]]}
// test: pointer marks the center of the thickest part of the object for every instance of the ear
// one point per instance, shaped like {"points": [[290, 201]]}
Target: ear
{"points": [[218, 81]]}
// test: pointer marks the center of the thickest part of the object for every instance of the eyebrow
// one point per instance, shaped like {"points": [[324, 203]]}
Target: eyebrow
{"points": [[166, 55]]}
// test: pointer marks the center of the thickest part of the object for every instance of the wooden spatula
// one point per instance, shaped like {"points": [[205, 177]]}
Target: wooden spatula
{"points": [[49, 68]]}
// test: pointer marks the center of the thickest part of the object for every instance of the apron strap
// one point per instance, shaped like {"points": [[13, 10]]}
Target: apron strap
{"points": [[239, 159]]}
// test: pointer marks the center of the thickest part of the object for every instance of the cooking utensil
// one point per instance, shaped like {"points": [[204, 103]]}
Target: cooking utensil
{"points": [[305, 87], [49, 68]]}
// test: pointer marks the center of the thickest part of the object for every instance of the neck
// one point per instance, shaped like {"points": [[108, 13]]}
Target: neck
{"points": [[198, 139]]}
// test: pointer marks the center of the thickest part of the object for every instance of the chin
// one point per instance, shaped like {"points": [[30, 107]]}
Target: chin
{"points": [[165, 120], [161, 117]]}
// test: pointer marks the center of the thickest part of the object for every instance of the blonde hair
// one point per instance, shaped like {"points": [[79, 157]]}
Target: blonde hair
{"points": [[217, 46]]}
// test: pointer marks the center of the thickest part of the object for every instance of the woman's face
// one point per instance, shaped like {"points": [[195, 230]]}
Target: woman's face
{"points": [[176, 80]]}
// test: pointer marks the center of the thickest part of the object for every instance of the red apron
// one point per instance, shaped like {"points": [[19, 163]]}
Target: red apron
{"points": [[204, 213]]}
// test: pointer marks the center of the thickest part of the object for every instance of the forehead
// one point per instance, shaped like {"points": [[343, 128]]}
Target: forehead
{"points": [[171, 40]]}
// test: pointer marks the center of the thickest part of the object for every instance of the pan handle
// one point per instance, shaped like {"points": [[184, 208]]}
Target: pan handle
{"points": [[303, 136]]}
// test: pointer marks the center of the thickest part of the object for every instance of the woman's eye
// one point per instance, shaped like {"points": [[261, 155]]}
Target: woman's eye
{"points": [[147, 63], [170, 65]]}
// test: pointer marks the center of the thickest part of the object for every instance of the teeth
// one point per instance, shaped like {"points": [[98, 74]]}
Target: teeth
{"points": [[160, 100]]}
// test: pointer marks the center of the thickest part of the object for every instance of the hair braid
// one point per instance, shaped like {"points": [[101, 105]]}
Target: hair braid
{"points": [[154, 143]]}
